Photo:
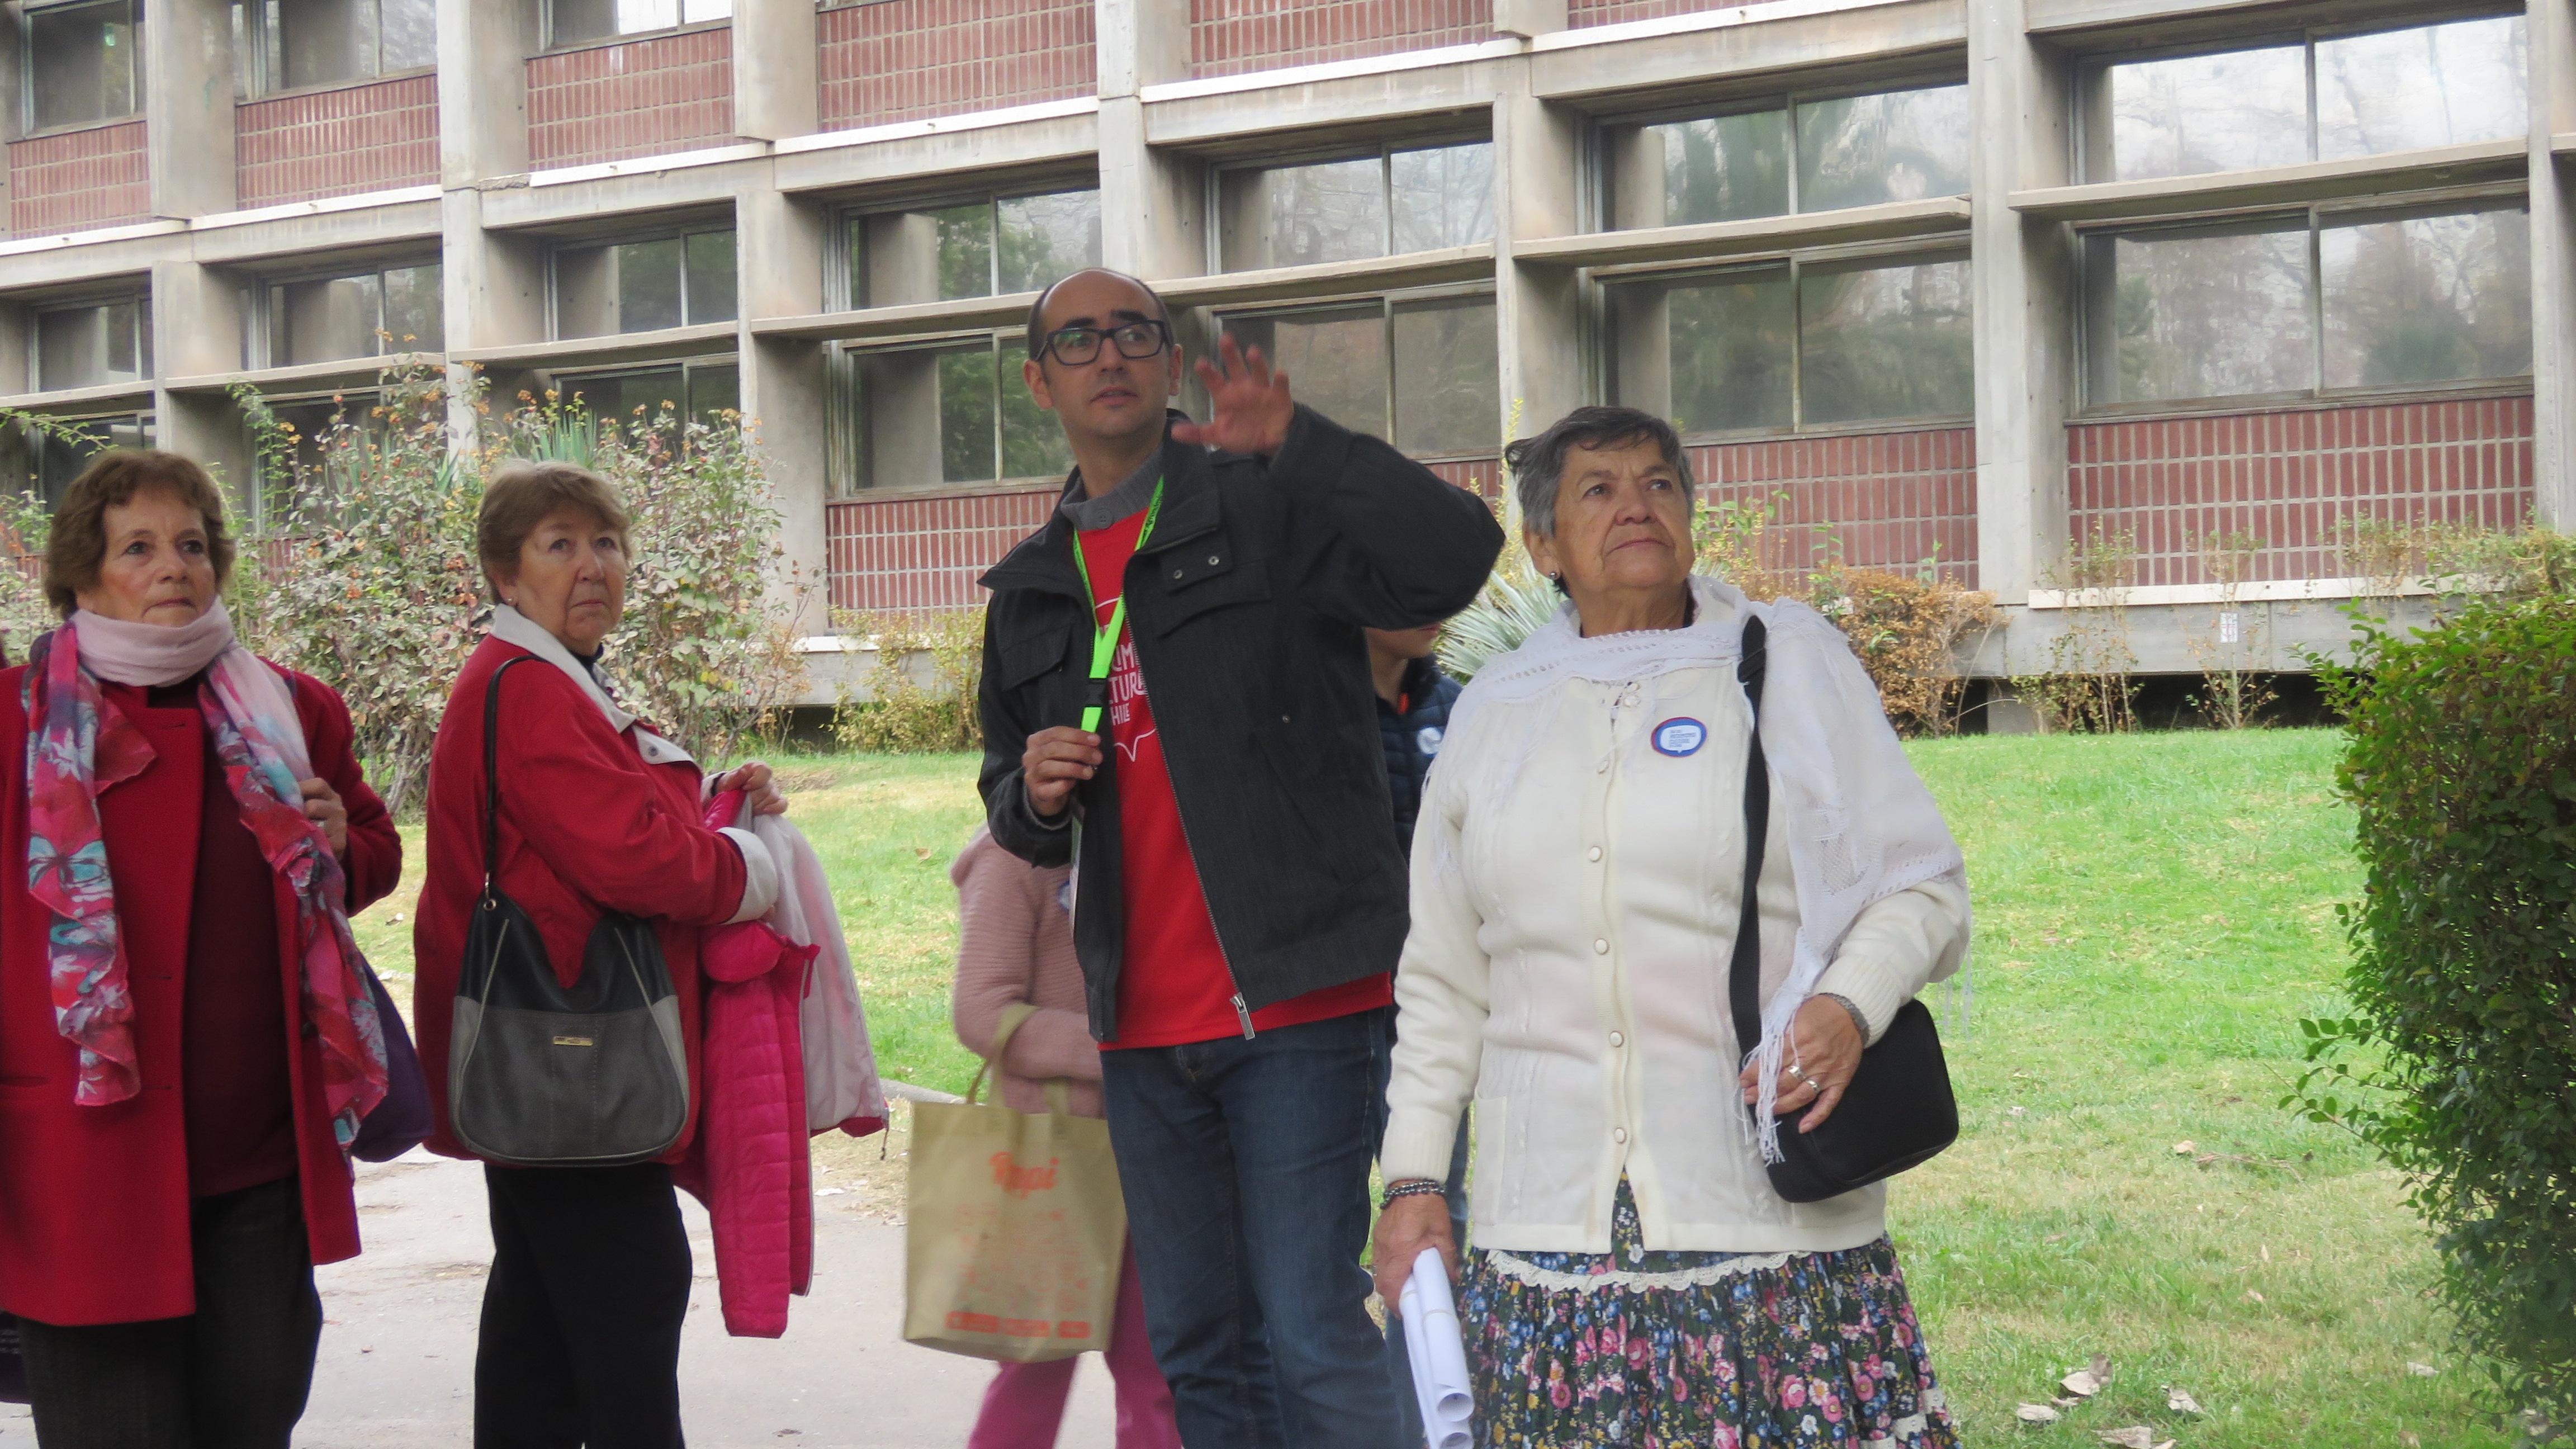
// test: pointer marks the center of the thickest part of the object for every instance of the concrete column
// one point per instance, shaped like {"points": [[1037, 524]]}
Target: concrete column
{"points": [[188, 103], [2553, 263], [1153, 211], [786, 383], [196, 330], [2024, 300], [1527, 18], [483, 48], [1538, 152], [1141, 43], [775, 90]]}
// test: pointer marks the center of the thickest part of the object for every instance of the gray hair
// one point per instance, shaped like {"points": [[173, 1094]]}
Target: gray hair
{"points": [[1538, 464]]}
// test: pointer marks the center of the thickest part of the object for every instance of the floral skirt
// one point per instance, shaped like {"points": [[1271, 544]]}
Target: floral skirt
{"points": [[1731, 1350]]}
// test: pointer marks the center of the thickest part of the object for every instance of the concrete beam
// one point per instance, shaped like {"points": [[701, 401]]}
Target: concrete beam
{"points": [[2476, 163], [106, 397], [2272, 636], [1761, 237], [1252, 115], [921, 319], [2104, 24], [483, 126], [916, 153], [616, 349], [352, 372], [598, 202], [1727, 47], [775, 90], [2551, 26], [335, 234], [1332, 279], [188, 101]]}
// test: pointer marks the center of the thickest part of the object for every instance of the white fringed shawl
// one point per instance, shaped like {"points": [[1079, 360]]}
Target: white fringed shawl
{"points": [[1859, 823]]}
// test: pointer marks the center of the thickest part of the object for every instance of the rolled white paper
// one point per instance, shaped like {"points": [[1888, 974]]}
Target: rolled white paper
{"points": [[1438, 1351]]}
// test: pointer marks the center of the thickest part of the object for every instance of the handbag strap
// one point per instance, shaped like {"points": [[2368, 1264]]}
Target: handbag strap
{"points": [[1058, 1096], [492, 769], [1744, 975]]}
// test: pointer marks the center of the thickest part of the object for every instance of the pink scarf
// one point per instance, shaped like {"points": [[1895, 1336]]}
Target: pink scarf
{"points": [[79, 744]]}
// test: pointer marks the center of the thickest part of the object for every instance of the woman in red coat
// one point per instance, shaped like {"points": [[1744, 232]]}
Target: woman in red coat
{"points": [[590, 1268], [186, 1039]]}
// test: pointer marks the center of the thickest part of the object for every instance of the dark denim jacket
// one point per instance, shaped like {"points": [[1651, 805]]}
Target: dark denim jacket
{"points": [[1412, 739]]}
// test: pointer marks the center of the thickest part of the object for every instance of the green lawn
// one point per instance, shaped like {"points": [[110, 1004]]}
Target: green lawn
{"points": [[2154, 914]]}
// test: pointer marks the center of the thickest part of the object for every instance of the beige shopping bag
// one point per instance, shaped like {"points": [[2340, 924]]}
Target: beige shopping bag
{"points": [[1013, 1226]]}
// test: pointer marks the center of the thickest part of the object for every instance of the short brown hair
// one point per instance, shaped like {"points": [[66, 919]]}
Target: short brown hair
{"points": [[77, 547], [521, 494]]}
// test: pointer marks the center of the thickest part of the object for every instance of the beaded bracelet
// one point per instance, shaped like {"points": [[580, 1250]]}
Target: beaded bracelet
{"points": [[1410, 1187]]}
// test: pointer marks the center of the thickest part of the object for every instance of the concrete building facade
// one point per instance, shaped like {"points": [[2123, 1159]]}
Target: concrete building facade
{"points": [[1964, 285]]}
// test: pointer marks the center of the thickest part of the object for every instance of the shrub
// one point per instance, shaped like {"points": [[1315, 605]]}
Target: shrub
{"points": [[2458, 1062], [909, 716], [2088, 685]]}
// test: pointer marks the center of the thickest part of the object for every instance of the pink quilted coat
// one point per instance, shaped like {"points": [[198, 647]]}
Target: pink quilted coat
{"points": [[751, 1165]]}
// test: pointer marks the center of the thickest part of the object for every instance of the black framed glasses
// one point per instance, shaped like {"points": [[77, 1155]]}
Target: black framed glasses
{"points": [[1135, 341]]}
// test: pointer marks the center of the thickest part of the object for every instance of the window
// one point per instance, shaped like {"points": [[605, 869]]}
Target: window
{"points": [[1422, 373], [571, 22], [2181, 313], [950, 412], [991, 246], [644, 286], [84, 64], [694, 391], [285, 45], [327, 319], [1796, 345], [1799, 154], [55, 455], [298, 471], [2326, 97], [93, 344], [1381, 204]]}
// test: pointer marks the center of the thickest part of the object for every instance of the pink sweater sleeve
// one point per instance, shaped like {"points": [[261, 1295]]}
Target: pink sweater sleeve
{"points": [[999, 901]]}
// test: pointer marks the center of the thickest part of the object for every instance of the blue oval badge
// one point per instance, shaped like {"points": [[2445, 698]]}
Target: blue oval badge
{"points": [[1679, 737]]}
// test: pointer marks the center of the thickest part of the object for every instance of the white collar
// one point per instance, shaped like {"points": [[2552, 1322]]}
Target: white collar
{"points": [[512, 627]]}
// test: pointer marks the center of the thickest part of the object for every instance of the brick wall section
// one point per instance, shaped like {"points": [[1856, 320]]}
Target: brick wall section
{"points": [[1873, 500], [903, 60], [1580, 13], [1481, 476], [2294, 478], [1229, 37], [340, 142], [908, 555], [78, 180], [639, 98]]}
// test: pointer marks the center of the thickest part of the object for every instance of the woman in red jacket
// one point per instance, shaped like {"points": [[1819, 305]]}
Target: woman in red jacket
{"points": [[590, 1268], [187, 1041]]}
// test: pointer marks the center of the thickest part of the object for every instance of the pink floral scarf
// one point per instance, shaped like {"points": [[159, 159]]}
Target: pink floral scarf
{"points": [[79, 744]]}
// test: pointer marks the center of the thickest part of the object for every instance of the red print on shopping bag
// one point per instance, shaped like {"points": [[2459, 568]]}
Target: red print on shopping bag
{"points": [[1020, 1181]]}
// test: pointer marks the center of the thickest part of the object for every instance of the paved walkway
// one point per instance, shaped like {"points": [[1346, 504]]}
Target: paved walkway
{"points": [[397, 1361]]}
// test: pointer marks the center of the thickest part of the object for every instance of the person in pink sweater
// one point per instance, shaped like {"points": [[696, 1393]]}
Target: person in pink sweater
{"points": [[1015, 944]]}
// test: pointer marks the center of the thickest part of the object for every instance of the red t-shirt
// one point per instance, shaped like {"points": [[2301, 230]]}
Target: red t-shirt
{"points": [[1174, 986]]}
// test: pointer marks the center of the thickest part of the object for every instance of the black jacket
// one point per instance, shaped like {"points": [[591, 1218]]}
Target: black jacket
{"points": [[1412, 737], [1246, 607]]}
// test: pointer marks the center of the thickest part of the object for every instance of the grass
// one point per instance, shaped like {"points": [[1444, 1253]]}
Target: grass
{"points": [[2155, 912]]}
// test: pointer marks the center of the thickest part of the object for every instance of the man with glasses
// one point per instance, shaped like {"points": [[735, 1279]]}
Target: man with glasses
{"points": [[1176, 698]]}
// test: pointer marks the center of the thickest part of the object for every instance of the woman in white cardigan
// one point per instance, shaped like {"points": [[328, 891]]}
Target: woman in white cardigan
{"points": [[1577, 883]]}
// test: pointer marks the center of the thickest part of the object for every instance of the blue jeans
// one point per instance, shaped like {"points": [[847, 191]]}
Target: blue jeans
{"points": [[1245, 1164]]}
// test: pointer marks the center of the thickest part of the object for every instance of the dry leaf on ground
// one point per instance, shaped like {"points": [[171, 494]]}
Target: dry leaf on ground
{"points": [[2421, 1370], [2136, 1436], [2035, 1414], [2084, 1383], [2181, 1402], [2186, 1148], [2407, 1438]]}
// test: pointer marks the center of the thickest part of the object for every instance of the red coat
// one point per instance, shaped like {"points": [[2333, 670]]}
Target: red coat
{"points": [[94, 1200], [586, 825]]}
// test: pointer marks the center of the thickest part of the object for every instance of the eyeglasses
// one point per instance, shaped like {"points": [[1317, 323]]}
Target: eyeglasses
{"points": [[1078, 346]]}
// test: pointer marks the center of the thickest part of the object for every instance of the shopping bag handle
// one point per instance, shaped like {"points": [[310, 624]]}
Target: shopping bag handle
{"points": [[1057, 1098]]}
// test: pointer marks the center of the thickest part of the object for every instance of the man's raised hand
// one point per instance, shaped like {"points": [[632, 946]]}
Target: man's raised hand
{"points": [[1248, 404]]}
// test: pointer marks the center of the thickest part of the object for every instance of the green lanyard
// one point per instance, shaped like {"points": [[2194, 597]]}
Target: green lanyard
{"points": [[1104, 642]]}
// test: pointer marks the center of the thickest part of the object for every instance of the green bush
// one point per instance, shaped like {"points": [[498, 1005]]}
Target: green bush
{"points": [[2458, 1062], [908, 716]]}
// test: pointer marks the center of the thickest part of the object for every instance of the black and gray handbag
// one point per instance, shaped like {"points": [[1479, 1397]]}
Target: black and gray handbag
{"points": [[541, 1076], [1898, 1111]]}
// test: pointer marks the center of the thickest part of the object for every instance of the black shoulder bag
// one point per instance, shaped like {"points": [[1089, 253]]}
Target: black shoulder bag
{"points": [[538, 1076], [1898, 1111]]}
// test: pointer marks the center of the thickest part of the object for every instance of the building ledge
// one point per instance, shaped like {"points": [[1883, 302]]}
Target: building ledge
{"points": [[2563, 144], [939, 125], [649, 165], [1943, 216], [616, 349], [1332, 70], [1334, 279], [2267, 591], [2278, 186], [346, 374], [105, 395], [919, 319]]}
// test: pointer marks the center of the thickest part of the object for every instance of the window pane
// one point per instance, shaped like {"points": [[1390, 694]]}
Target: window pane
{"points": [[88, 346], [1042, 238], [578, 20], [631, 400], [1712, 354], [1289, 216], [715, 388], [2202, 113], [711, 277], [965, 250], [2439, 85], [925, 416], [966, 396], [415, 312], [306, 482], [1336, 357], [1884, 342], [326, 41], [693, 11], [1896, 146], [81, 64], [1717, 168], [2427, 299], [630, 287], [1033, 444], [409, 30], [1448, 380], [60, 458], [1444, 196], [2182, 315], [324, 321]]}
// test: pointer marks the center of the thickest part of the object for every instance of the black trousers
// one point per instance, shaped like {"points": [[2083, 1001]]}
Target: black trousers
{"points": [[233, 1375], [581, 1316]]}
